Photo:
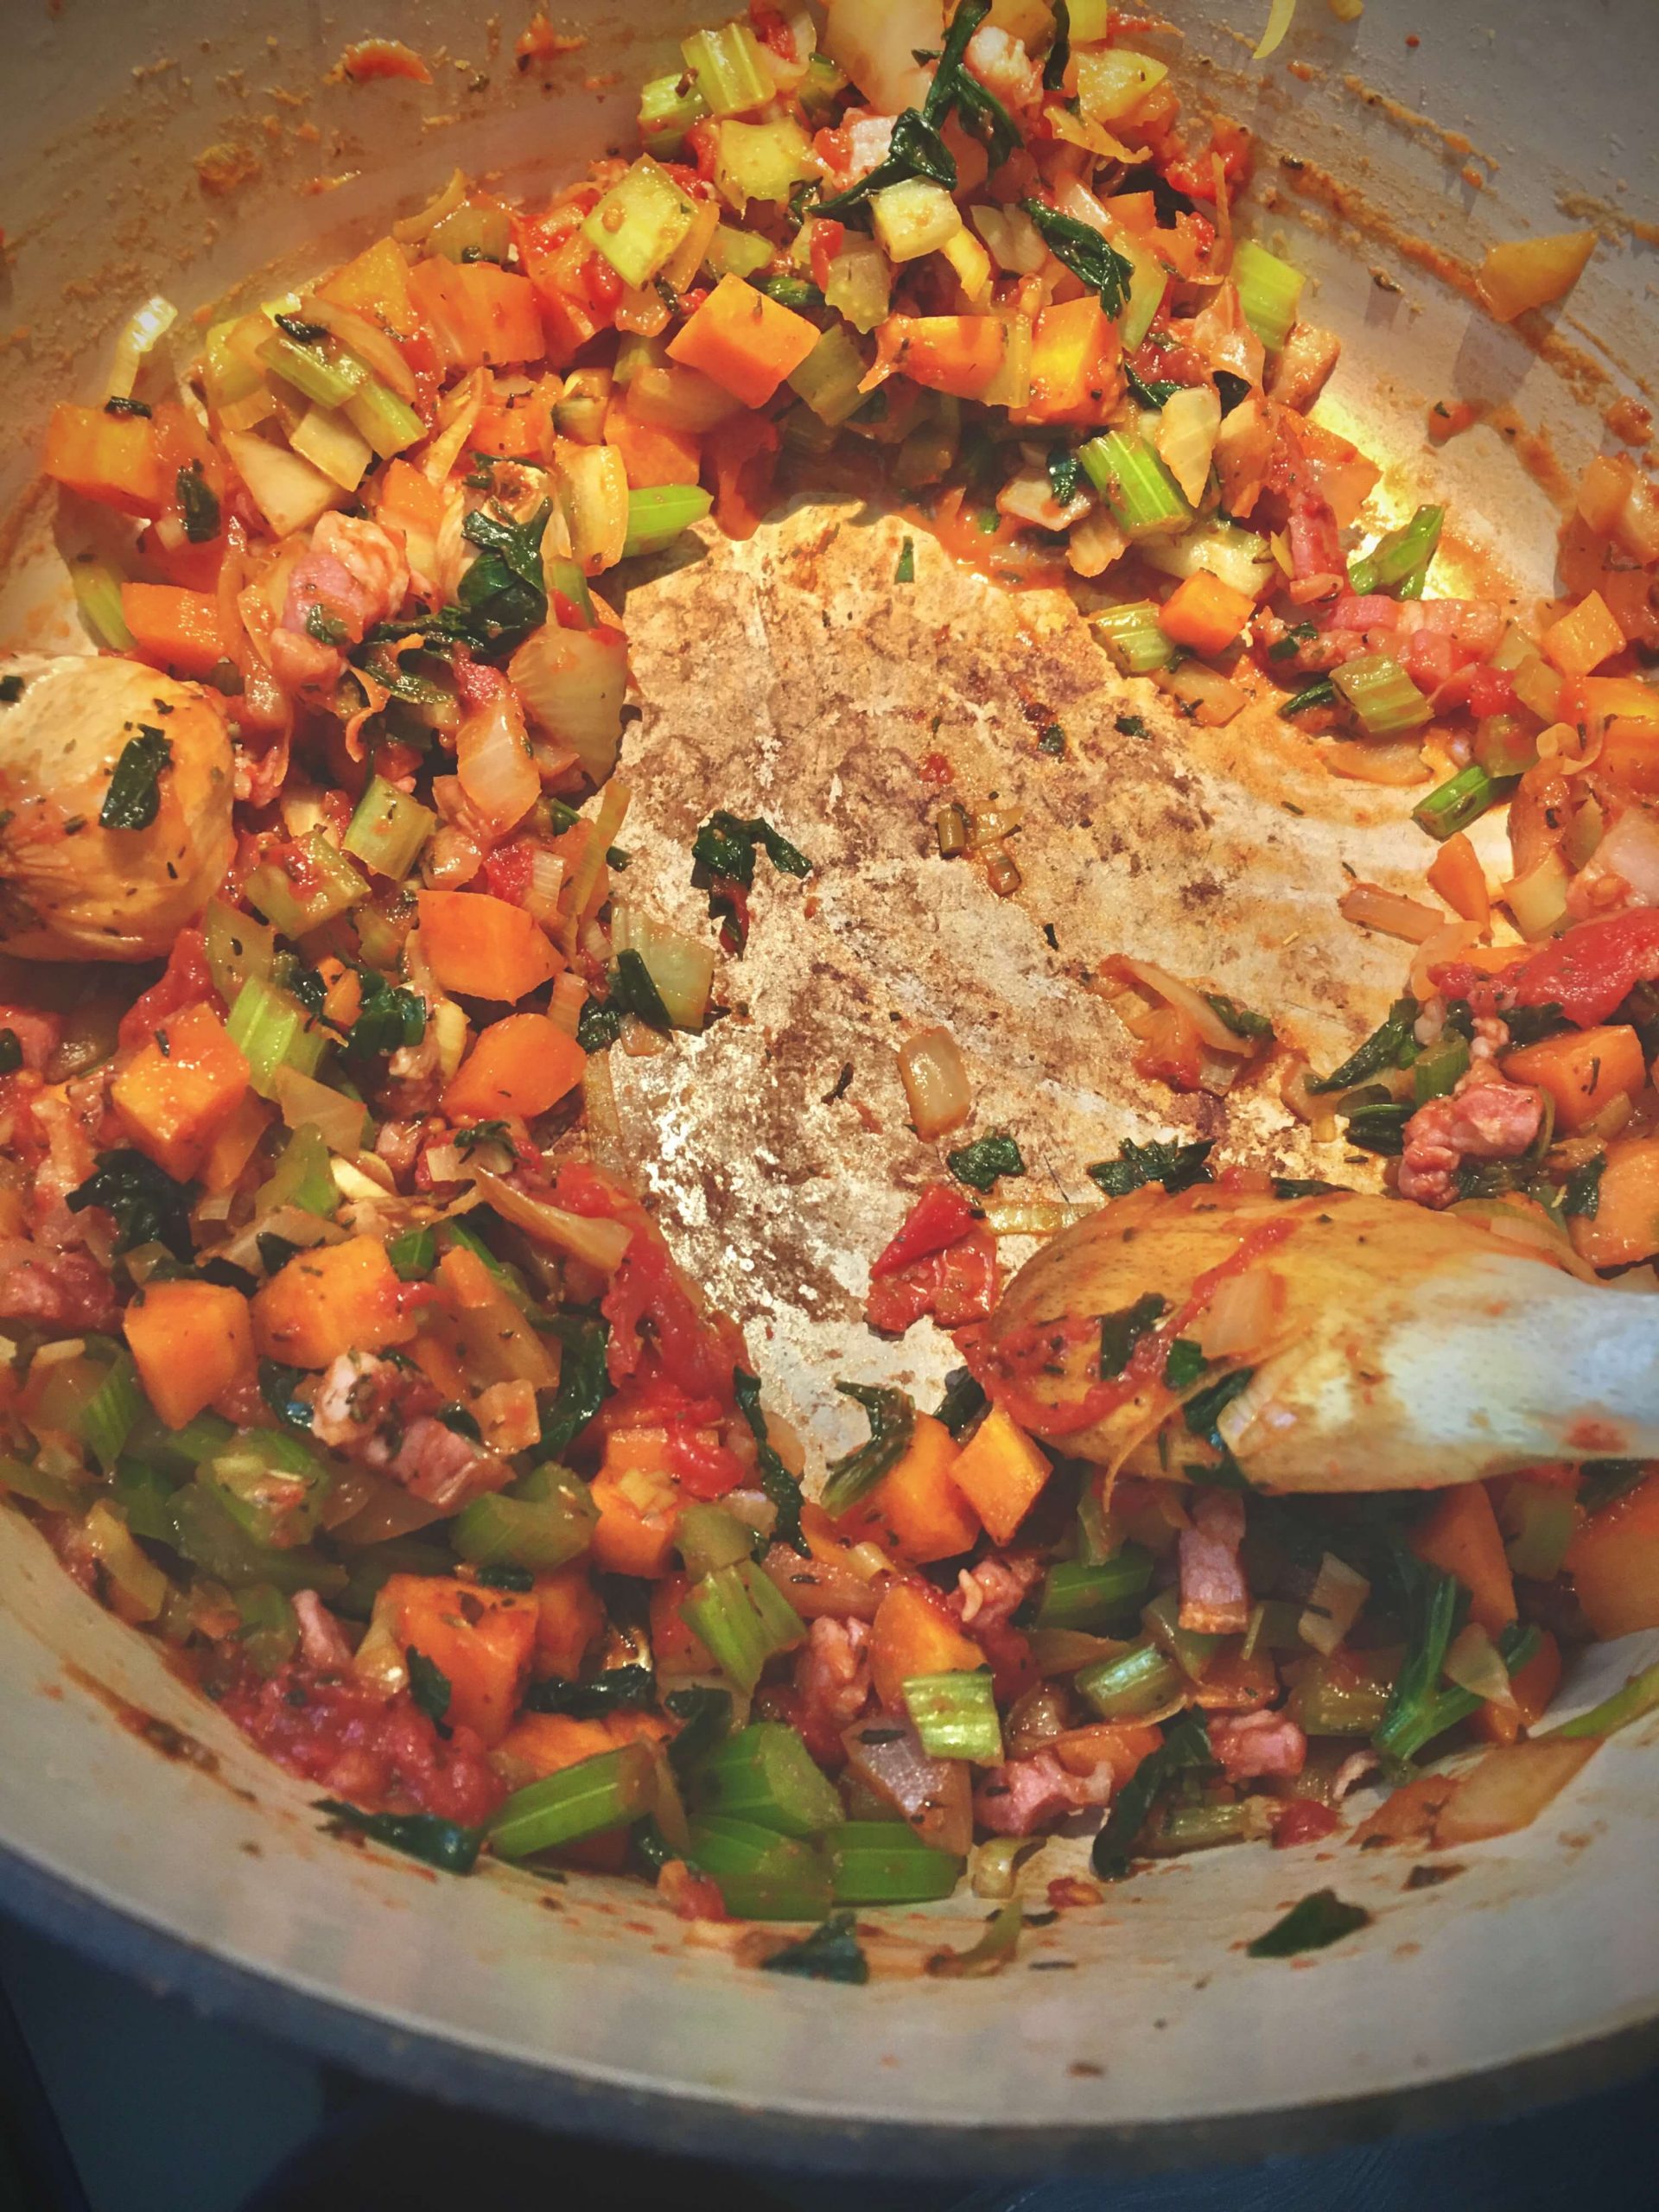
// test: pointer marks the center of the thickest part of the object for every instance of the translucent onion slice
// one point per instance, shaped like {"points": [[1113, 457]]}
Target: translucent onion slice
{"points": [[1333, 1605], [1370, 907], [599, 1243], [936, 1082]]}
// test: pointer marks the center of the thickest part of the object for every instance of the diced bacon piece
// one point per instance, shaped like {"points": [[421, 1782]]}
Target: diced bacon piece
{"points": [[61, 1290], [1026, 1794], [1215, 1599], [322, 1640], [1483, 1118], [832, 1674], [1251, 1744]]}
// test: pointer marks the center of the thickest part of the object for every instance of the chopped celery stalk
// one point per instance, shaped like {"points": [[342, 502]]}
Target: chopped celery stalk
{"points": [[1540, 1521], [237, 947], [1210, 1821], [472, 233], [566, 578], [765, 1774], [205, 1533], [302, 1177], [1462, 798], [819, 89], [200, 1439], [1238, 557], [744, 1619], [659, 513], [1270, 291], [1084, 1597], [143, 1493], [860, 284], [330, 384], [1505, 746], [271, 1484], [332, 445], [57, 1492], [1401, 557], [97, 595], [955, 1715], [1132, 635], [1142, 1680], [729, 67], [640, 222], [388, 829], [274, 1031], [270, 1633], [604, 1792], [1191, 1651], [1144, 498], [542, 1521], [737, 253], [1333, 1700], [134, 1574], [1435, 1072], [828, 379], [230, 374], [885, 1862], [761, 1874], [108, 1414], [761, 161], [708, 1538], [388, 422], [319, 884], [1381, 693], [1637, 1698], [668, 108]]}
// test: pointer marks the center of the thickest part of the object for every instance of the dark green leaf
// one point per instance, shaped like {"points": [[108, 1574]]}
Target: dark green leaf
{"points": [[1177, 1166], [1300, 633], [1302, 1186], [633, 990], [1321, 692], [1433, 1603], [915, 149], [198, 505], [133, 799], [1183, 1365], [505, 589], [584, 1381], [1530, 1024], [149, 1207], [303, 333], [468, 1141], [1242, 1021], [1151, 395], [1582, 1193], [1129, 726], [325, 628], [1317, 1921], [1052, 741], [979, 1165], [503, 1575], [1375, 1121], [905, 571], [1186, 1748], [779, 1485], [428, 1688], [631, 1688], [388, 1019], [1064, 474], [1203, 1411], [790, 291], [1603, 1480], [705, 1717], [1121, 1331], [443, 1844], [1059, 52], [599, 1025], [955, 90], [279, 1387], [1085, 253], [723, 859], [830, 1953], [1392, 1046], [963, 1402], [892, 1422], [11, 1052]]}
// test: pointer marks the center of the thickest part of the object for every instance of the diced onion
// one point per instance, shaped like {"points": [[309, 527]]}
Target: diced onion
{"points": [[1474, 1664], [382, 356], [1185, 435], [306, 1102], [574, 683], [1239, 1318], [1032, 1217], [1213, 698], [292, 1223], [1191, 1003], [459, 411], [494, 763], [1333, 1605], [413, 228], [145, 329], [584, 894], [1370, 907], [1454, 942], [1279, 22], [1363, 760], [546, 882], [1509, 1789], [601, 1243], [936, 1082], [1631, 848]]}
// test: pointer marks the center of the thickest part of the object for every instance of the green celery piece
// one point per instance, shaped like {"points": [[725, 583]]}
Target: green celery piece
{"points": [[606, 1791], [744, 1619], [144, 1492], [955, 1715], [708, 1538], [764, 1774], [274, 1031], [640, 222], [885, 1862], [761, 1874], [1638, 1698], [1312, 1925], [1460, 800], [545, 1520], [23, 1478], [1269, 292], [271, 1486], [1332, 1703], [330, 384], [388, 829], [1436, 1072], [108, 1415], [1140, 1681], [204, 1532], [1079, 1596], [1144, 498], [660, 513], [831, 1953]]}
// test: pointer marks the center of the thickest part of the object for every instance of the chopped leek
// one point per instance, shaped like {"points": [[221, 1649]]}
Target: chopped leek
{"points": [[330, 444], [1079, 1596], [1638, 1698], [730, 69], [1270, 291], [545, 1520], [885, 1862], [744, 1619], [1381, 693], [640, 222], [107, 1416], [708, 1538], [388, 829], [678, 970], [1132, 634], [97, 595], [388, 422], [1144, 498], [765, 1774], [1142, 1679], [1461, 799], [607, 1791], [761, 1874], [955, 1715], [1402, 557], [1238, 557], [319, 884], [829, 379], [660, 513], [302, 1177], [142, 1492], [272, 1485], [1438, 1068], [668, 108], [328, 383], [274, 1031]]}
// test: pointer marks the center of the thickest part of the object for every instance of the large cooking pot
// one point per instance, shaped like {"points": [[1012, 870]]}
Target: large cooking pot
{"points": [[169, 144]]}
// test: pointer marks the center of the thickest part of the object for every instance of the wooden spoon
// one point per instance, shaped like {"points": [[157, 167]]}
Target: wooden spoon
{"points": [[1396, 1349]]}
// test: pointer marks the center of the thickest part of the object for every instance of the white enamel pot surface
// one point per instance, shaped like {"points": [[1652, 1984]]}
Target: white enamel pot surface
{"points": [[1136, 2033]]}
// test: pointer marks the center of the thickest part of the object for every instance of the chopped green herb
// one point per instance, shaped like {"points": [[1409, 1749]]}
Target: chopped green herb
{"points": [[1300, 633], [1186, 1748], [1064, 474], [634, 990], [12, 688], [599, 1025], [1242, 1021], [1582, 1192], [147, 1206], [779, 1485], [1121, 1331], [505, 589], [429, 1687], [891, 1416], [127, 407], [303, 333], [631, 1688], [723, 856], [1390, 1045], [326, 629], [1183, 1365], [1052, 741], [1376, 1121], [1177, 1166], [831, 1953], [979, 1165], [133, 797], [11, 1053], [1530, 1024], [964, 1401], [468, 1141], [1151, 395], [443, 1844], [1317, 1922], [1321, 692], [279, 1386], [389, 1018], [1129, 726], [503, 1575], [1060, 52], [1085, 253], [905, 571], [1302, 1186], [915, 149], [198, 505], [1603, 1480], [705, 1717], [584, 1381]]}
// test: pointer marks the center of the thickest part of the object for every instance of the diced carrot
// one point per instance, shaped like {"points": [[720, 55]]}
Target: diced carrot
{"points": [[1462, 1538], [173, 629], [479, 316], [1630, 754], [1614, 1563], [1118, 1745], [519, 428], [745, 341], [521, 1064], [1073, 361], [916, 1508], [480, 1640], [190, 1341], [1205, 613], [676, 1647], [1524, 273], [1234, 1684], [638, 1501], [571, 1618], [407, 500], [1582, 1071], [175, 1094], [110, 458], [651, 455], [957, 353], [234, 1142], [1458, 877], [375, 286], [342, 991], [334, 1299], [1581, 641], [484, 947], [1001, 1473], [1534, 1685], [1621, 695], [912, 1635], [1625, 1227]]}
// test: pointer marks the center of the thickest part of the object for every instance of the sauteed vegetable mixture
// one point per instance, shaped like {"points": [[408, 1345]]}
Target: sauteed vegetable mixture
{"points": [[339, 1352]]}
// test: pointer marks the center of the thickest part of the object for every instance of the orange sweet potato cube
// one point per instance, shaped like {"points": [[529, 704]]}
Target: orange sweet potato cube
{"points": [[178, 1090], [480, 1640], [189, 1341], [334, 1299], [913, 1635], [1000, 1472]]}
